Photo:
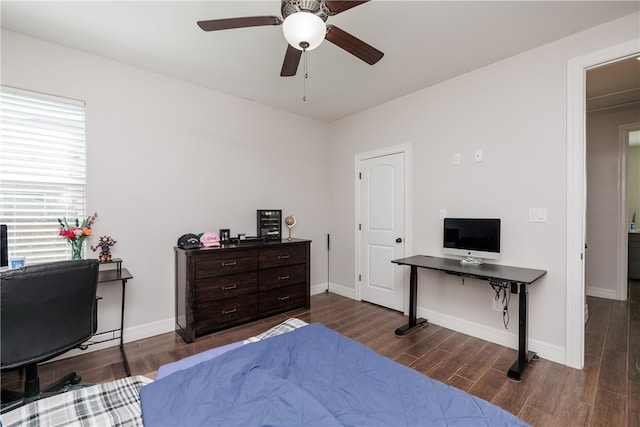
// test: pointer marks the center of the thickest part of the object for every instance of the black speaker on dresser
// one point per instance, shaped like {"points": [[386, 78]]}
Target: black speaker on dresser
{"points": [[269, 225]]}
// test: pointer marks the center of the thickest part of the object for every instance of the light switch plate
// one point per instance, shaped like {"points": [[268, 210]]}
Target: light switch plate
{"points": [[537, 214]]}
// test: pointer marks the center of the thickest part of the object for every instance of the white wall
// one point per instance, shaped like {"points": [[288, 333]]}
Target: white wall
{"points": [[516, 112], [603, 199], [166, 158]]}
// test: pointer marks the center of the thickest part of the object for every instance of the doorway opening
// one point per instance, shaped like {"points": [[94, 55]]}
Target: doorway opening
{"points": [[576, 193], [612, 112]]}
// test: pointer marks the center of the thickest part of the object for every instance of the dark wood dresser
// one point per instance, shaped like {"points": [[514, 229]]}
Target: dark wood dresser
{"points": [[634, 256], [217, 288]]}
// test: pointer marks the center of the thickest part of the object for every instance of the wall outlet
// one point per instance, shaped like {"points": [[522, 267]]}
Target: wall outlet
{"points": [[496, 305], [456, 158], [477, 156]]}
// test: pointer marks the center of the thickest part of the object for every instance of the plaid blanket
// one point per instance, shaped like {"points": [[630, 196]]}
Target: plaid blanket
{"points": [[116, 403], [286, 326]]}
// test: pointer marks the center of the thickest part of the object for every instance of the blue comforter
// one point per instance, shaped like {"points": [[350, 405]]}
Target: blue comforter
{"points": [[312, 376]]}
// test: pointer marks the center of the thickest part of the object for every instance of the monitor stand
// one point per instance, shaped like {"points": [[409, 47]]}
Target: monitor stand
{"points": [[471, 261]]}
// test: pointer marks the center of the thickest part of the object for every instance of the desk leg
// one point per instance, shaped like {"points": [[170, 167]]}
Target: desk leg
{"points": [[413, 304], [124, 355], [524, 356]]}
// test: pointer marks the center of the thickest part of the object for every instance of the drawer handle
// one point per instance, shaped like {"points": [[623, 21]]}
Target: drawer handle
{"points": [[283, 277], [229, 287], [284, 298], [283, 256], [233, 310], [227, 264]]}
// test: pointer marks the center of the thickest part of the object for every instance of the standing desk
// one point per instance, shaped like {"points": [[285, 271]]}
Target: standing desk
{"points": [[515, 277]]}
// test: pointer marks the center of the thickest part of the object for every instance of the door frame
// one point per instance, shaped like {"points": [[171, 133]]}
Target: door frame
{"points": [[358, 158], [576, 192]]}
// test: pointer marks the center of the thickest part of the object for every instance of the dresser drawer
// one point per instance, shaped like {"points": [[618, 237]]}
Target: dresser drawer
{"points": [[218, 314], [226, 262], [286, 254], [282, 276], [221, 287], [282, 299]]}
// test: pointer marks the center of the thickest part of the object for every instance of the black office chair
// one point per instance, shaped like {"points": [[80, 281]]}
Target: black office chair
{"points": [[45, 311]]}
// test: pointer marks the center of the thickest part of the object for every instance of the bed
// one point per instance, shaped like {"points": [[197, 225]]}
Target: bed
{"points": [[292, 375]]}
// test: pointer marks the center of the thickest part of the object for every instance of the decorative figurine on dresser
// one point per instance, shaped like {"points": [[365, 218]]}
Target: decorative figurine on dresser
{"points": [[290, 221], [222, 286]]}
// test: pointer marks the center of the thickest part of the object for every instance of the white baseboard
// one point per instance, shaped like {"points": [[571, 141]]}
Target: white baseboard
{"points": [[506, 338], [342, 290], [318, 289], [593, 291]]}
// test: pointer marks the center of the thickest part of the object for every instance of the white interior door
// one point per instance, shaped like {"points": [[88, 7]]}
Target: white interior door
{"points": [[382, 230]]}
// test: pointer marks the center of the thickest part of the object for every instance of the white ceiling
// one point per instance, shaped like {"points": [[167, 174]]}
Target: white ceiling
{"points": [[425, 42]]}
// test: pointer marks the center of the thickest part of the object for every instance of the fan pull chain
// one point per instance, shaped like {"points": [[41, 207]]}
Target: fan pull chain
{"points": [[306, 76]]}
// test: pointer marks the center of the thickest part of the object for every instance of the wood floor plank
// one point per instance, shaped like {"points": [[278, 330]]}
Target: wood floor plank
{"points": [[461, 383], [609, 410], [577, 416], [613, 372], [430, 360], [536, 417], [488, 384], [405, 359], [428, 341], [633, 399], [582, 383], [462, 355], [617, 338], [486, 357]]}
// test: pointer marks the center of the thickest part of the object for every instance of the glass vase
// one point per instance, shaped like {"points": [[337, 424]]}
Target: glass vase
{"points": [[76, 248]]}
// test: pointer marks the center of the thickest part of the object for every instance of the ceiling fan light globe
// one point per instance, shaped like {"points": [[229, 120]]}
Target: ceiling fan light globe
{"points": [[302, 28]]}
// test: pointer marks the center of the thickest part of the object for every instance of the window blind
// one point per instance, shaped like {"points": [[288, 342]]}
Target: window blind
{"points": [[42, 171]]}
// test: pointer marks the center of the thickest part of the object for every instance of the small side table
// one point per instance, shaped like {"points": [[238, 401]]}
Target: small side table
{"points": [[121, 275]]}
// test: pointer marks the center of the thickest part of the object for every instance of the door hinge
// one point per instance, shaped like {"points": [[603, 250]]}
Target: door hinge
{"points": [[359, 175], [359, 277], [360, 227]]}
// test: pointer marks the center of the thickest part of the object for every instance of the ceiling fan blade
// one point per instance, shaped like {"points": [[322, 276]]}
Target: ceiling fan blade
{"points": [[353, 45], [230, 23], [339, 6], [291, 61]]}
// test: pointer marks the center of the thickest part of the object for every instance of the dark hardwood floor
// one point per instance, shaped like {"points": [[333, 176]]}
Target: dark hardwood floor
{"points": [[605, 393]]}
